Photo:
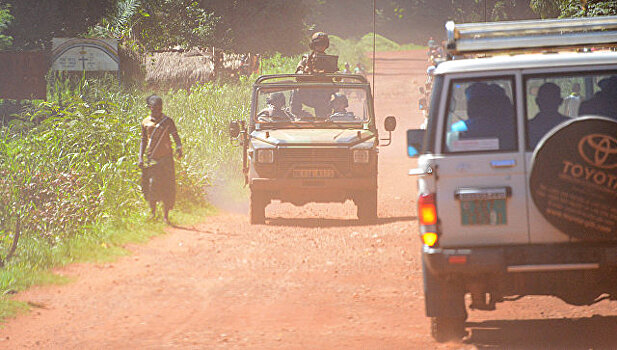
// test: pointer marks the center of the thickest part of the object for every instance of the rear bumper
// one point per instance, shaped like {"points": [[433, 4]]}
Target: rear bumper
{"points": [[528, 258]]}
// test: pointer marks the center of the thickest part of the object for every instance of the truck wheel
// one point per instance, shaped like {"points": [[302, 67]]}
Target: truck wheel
{"points": [[366, 204], [257, 208], [447, 328], [445, 304]]}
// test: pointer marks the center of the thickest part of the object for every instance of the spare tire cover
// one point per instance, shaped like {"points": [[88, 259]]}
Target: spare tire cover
{"points": [[573, 180]]}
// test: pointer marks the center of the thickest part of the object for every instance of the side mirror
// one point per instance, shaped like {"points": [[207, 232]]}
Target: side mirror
{"points": [[234, 129], [390, 123], [415, 140]]}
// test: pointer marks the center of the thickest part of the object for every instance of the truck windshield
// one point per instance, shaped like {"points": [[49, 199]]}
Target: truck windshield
{"points": [[329, 105]]}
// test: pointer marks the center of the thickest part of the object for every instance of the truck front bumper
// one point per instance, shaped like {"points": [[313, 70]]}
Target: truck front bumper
{"points": [[344, 184]]}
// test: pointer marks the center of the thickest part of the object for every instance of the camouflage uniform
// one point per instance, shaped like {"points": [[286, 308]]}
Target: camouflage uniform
{"points": [[275, 110], [319, 43]]}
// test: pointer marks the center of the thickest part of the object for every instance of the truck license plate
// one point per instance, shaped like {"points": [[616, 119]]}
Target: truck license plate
{"points": [[483, 212], [313, 173]]}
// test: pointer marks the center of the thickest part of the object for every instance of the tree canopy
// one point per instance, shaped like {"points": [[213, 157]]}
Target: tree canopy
{"points": [[263, 26], [36, 22]]}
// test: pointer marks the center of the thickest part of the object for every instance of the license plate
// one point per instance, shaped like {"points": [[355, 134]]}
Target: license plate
{"points": [[483, 212], [313, 173]]}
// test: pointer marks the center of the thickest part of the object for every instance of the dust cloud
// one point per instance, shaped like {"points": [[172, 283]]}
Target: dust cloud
{"points": [[227, 191]]}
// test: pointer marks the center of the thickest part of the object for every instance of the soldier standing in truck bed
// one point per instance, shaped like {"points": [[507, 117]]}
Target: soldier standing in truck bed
{"points": [[319, 43]]}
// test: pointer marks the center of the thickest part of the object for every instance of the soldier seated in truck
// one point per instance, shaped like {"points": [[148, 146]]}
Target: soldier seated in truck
{"points": [[275, 110], [339, 104]]}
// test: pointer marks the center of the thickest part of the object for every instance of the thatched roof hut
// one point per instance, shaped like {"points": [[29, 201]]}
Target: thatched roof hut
{"points": [[178, 69]]}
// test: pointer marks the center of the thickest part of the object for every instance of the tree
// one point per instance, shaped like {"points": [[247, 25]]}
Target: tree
{"points": [[410, 20], [264, 26], [546, 8], [259, 26], [573, 8], [5, 19], [158, 24], [36, 22]]}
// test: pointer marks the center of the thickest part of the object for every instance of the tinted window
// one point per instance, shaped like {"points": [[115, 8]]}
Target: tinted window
{"points": [[481, 116], [554, 99]]}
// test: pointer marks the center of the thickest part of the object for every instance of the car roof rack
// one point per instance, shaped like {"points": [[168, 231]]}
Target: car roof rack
{"points": [[531, 35]]}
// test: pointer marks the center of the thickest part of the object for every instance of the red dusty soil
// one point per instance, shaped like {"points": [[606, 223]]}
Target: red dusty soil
{"points": [[311, 278]]}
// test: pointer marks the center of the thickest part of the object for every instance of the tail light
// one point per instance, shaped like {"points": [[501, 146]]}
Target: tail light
{"points": [[427, 210], [427, 214]]}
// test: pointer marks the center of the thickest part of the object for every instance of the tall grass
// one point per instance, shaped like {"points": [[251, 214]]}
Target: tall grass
{"points": [[69, 171]]}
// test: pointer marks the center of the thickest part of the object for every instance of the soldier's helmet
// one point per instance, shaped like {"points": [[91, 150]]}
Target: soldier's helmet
{"points": [[319, 40], [276, 99], [339, 101]]}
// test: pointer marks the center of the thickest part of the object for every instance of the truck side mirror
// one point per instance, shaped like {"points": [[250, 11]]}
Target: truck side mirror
{"points": [[390, 123], [234, 129], [415, 140]]}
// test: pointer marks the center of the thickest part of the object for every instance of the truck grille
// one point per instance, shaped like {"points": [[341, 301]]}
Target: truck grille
{"points": [[337, 158]]}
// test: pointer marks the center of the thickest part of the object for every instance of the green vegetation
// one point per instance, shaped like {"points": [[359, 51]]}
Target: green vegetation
{"points": [[573, 8], [69, 173], [5, 19]]}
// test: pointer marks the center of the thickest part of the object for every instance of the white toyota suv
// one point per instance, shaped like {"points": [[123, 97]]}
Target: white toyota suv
{"points": [[517, 169]]}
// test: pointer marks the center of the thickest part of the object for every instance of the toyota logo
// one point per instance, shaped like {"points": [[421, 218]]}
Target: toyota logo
{"points": [[599, 150]]}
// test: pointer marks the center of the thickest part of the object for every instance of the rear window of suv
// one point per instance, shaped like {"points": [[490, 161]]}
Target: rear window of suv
{"points": [[556, 98], [481, 116]]}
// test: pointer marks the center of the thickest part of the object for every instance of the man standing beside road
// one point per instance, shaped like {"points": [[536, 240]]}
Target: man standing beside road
{"points": [[158, 179]]}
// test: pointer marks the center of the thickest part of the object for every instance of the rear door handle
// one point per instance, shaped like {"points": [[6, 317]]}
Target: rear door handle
{"points": [[507, 163]]}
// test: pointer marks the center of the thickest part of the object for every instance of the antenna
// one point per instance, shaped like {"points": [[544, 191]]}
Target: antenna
{"points": [[374, 43]]}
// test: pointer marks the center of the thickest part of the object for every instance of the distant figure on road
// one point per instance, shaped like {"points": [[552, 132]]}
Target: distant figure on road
{"points": [[548, 100], [359, 69], [158, 181], [573, 101], [347, 69]]}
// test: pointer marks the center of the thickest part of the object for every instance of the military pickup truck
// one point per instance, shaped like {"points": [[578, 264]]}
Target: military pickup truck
{"points": [[517, 187], [311, 138]]}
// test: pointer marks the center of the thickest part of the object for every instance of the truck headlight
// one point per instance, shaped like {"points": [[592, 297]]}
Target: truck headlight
{"points": [[265, 156], [360, 156]]}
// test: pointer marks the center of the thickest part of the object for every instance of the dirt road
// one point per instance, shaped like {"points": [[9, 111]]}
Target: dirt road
{"points": [[296, 283]]}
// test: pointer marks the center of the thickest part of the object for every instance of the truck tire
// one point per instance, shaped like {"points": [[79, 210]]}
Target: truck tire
{"points": [[366, 204], [257, 207], [445, 304], [444, 329]]}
